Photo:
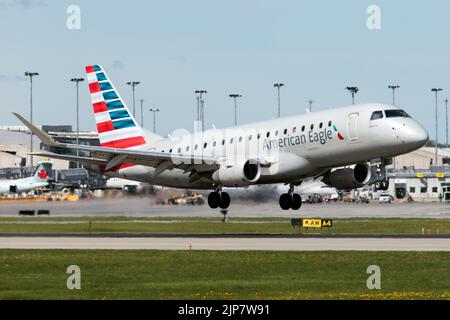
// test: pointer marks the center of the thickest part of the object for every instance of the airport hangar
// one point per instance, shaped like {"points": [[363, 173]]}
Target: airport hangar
{"points": [[411, 175]]}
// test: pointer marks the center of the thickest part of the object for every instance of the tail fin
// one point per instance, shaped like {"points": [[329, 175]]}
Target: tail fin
{"points": [[116, 126], [43, 170]]}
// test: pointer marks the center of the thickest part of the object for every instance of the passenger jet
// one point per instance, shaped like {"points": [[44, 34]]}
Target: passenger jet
{"points": [[38, 180], [335, 144]]}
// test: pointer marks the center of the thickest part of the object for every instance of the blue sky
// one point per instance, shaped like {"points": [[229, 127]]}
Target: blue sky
{"points": [[316, 48]]}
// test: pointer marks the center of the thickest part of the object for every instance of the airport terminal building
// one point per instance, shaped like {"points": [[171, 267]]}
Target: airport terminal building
{"points": [[414, 175]]}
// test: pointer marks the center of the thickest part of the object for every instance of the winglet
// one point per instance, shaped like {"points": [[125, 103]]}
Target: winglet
{"points": [[44, 137]]}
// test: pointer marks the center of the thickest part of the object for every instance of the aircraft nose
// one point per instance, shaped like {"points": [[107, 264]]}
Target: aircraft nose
{"points": [[416, 136]]}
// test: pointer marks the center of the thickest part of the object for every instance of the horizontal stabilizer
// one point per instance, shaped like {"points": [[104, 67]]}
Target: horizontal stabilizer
{"points": [[86, 160], [44, 137]]}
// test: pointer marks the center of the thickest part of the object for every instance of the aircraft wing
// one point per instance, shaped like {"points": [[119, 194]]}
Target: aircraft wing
{"points": [[112, 157]]}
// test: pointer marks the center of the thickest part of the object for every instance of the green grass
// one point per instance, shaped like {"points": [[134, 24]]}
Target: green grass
{"points": [[214, 225], [41, 274]]}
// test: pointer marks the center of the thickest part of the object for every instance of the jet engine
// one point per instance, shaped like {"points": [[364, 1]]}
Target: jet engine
{"points": [[348, 178], [241, 173]]}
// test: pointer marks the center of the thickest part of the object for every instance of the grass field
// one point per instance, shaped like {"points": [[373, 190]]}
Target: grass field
{"points": [[41, 274], [214, 225]]}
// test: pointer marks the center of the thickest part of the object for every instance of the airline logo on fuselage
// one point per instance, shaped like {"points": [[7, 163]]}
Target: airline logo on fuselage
{"points": [[321, 137]]}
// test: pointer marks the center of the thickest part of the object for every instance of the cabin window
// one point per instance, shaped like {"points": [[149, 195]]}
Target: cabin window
{"points": [[205, 145], [170, 151], [412, 190], [268, 134], [376, 115], [223, 142], [312, 127], [259, 136], [187, 148], [214, 144], [179, 150], [231, 140], [196, 147], [321, 125], [285, 131], [240, 139], [276, 132], [303, 128], [330, 123], [294, 129], [250, 138]]}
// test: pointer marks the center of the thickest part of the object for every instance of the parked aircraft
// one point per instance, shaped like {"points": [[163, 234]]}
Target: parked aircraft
{"points": [[38, 180]]}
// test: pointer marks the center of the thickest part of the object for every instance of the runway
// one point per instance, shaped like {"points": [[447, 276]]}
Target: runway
{"points": [[228, 243], [146, 207]]}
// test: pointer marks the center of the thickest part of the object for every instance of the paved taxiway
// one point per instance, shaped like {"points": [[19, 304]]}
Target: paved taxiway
{"points": [[145, 206], [228, 243]]}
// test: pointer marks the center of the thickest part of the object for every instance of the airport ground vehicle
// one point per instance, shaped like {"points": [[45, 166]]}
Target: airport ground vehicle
{"points": [[385, 198], [188, 198]]}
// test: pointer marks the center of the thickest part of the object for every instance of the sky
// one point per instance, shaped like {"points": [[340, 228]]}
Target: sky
{"points": [[316, 48]]}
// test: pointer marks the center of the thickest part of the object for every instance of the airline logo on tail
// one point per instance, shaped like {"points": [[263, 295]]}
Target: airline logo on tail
{"points": [[116, 126], [42, 171]]}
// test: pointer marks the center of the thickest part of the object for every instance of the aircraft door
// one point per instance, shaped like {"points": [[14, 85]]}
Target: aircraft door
{"points": [[352, 126]]}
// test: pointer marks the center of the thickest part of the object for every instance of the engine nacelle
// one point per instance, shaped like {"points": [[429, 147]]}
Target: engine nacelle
{"points": [[242, 173], [348, 178]]}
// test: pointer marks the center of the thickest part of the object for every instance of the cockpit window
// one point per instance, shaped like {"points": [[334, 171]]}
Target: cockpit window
{"points": [[376, 115], [396, 113]]}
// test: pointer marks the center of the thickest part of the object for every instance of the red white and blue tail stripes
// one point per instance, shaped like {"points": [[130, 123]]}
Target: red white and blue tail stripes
{"points": [[115, 124]]}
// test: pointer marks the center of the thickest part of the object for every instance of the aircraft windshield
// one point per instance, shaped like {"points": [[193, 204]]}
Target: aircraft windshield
{"points": [[396, 113]]}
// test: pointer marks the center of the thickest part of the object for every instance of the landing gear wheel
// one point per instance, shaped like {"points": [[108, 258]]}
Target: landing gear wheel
{"points": [[214, 200], [296, 201], [285, 201], [378, 185], [225, 200], [384, 185]]}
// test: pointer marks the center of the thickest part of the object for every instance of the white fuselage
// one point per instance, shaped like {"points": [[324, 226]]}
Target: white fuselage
{"points": [[296, 147], [21, 185]]}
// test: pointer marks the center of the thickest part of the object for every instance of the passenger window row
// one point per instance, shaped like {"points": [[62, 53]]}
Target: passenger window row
{"points": [[250, 137]]}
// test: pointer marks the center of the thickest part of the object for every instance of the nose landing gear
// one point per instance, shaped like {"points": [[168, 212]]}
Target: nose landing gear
{"points": [[381, 180], [219, 199], [290, 200]]}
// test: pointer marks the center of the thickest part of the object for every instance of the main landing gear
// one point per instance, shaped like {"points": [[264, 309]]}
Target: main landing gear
{"points": [[290, 200], [219, 199]]}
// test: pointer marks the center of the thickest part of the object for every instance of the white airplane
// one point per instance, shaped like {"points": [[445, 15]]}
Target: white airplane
{"points": [[123, 184], [285, 150], [317, 187], [38, 180]]}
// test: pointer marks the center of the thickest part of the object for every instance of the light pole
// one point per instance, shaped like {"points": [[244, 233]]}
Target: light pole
{"points": [[154, 118], [200, 108], [353, 91], [310, 102], [278, 86], [77, 81], [436, 90], [133, 84], [446, 123], [142, 112], [393, 92], [235, 96], [31, 75]]}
